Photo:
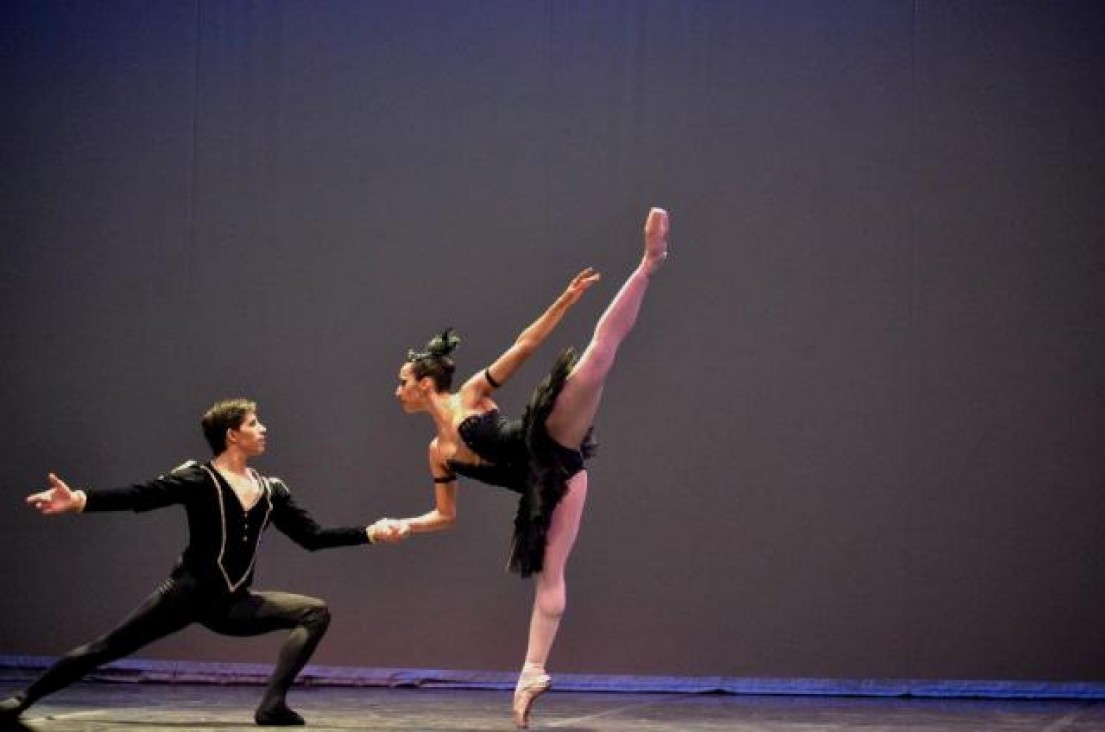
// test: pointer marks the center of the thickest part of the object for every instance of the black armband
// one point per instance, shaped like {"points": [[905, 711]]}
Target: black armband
{"points": [[445, 478], [490, 380]]}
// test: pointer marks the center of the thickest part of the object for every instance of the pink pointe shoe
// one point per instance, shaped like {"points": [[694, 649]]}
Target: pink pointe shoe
{"points": [[656, 238], [525, 694]]}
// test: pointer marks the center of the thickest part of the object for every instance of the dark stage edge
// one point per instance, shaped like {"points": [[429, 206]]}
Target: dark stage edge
{"points": [[96, 706], [143, 670]]}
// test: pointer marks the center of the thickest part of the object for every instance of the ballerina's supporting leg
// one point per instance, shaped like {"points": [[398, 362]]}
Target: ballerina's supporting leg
{"points": [[571, 418], [550, 597]]}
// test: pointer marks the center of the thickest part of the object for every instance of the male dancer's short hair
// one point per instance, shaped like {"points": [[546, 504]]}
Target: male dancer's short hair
{"points": [[224, 415]]}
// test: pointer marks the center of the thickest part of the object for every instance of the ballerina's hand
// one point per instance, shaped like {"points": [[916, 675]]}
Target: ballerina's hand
{"points": [[580, 283]]}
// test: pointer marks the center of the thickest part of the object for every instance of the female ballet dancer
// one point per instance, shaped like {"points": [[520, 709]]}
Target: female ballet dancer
{"points": [[540, 456]]}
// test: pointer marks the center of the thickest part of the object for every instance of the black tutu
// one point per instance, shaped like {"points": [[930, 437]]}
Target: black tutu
{"points": [[551, 466]]}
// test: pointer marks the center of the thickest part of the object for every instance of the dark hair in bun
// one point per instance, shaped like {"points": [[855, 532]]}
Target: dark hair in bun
{"points": [[436, 361]]}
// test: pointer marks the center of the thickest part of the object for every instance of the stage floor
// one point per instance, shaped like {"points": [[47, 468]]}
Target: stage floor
{"points": [[90, 707]]}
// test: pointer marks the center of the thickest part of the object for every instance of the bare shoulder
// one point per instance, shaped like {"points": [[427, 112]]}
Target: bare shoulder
{"points": [[473, 391], [438, 452], [476, 401], [439, 456]]}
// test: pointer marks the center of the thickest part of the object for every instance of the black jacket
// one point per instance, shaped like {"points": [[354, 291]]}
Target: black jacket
{"points": [[223, 536]]}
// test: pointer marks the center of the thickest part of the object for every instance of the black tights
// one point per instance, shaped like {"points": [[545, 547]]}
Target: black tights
{"points": [[181, 601]]}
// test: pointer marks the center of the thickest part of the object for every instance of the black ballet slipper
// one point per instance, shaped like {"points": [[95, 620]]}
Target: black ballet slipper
{"points": [[10, 709], [278, 716]]}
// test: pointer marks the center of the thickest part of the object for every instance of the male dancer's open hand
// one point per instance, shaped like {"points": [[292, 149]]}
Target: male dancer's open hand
{"points": [[58, 499]]}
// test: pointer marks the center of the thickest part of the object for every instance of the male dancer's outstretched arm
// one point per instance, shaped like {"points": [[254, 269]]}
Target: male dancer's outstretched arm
{"points": [[229, 505]]}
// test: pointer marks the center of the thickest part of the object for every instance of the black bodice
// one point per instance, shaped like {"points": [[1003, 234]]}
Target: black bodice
{"points": [[500, 443], [495, 438]]}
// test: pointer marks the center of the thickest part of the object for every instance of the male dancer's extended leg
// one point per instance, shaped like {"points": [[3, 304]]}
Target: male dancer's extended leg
{"points": [[263, 612], [168, 609]]}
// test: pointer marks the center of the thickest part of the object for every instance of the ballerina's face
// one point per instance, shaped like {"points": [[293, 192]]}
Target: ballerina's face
{"points": [[411, 395]]}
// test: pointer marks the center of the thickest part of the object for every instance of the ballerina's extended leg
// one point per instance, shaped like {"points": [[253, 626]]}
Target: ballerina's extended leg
{"points": [[578, 402]]}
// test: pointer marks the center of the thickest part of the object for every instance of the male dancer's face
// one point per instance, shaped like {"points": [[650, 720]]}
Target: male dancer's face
{"points": [[250, 436]]}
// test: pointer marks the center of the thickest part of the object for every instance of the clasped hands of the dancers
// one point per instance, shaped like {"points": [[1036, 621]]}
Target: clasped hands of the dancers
{"points": [[389, 531]]}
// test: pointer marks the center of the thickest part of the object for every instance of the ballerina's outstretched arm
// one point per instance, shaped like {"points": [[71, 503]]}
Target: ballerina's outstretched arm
{"points": [[505, 366], [442, 516]]}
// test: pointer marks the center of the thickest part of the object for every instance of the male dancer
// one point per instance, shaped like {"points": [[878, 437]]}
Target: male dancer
{"points": [[229, 505]]}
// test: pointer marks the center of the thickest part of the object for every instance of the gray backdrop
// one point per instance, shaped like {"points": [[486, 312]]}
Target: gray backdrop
{"points": [[857, 432]]}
